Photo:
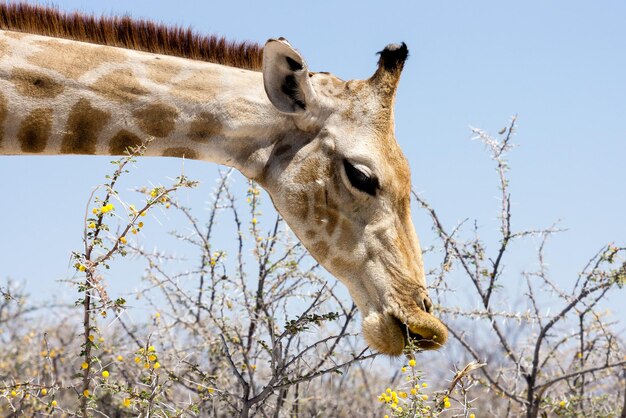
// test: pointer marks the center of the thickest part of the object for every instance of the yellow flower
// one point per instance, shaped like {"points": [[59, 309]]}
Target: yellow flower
{"points": [[86, 393], [254, 221], [126, 402], [137, 359], [211, 390], [151, 348], [399, 409], [107, 208], [157, 365], [44, 392], [404, 370], [81, 267], [84, 365], [402, 394], [134, 231], [120, 358], [253, 366], [472, 416], [105, 374], [388, 390], [123, 240], [381, 398], [425, 397], [424, 385], [13, 393], [91, 338], [152, 357], [562, 404], [413, 391], [95, 211], [53, 403], [146, 366], [412, 363], [101, 339], [91, 225], [386, 416], [446, 404], [140, 224]]}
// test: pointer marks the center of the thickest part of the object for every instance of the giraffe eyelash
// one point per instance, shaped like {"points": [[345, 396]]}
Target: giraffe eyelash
{"points": [[359, 180]]}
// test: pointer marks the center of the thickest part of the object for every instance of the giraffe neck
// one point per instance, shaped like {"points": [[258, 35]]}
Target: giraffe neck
{"points": [[66, 97]]}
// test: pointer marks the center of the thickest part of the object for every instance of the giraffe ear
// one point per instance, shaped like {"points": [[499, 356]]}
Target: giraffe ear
{"points": [[286, 79]]}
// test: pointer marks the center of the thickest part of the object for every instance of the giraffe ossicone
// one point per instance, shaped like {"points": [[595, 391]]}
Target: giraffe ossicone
{"points": [[323, 148]]}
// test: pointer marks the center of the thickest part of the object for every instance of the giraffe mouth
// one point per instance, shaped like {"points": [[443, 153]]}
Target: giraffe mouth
{"points": [[428, 334]]}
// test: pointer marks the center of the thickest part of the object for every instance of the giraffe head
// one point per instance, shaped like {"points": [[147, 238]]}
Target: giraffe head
{"points": [[342, 183]]}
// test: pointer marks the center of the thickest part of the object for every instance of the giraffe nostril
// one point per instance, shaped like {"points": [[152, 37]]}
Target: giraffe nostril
{"points": [[426, 304]]}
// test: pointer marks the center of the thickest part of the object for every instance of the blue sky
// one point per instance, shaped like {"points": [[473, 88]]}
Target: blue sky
{"points": [[558, 65]]}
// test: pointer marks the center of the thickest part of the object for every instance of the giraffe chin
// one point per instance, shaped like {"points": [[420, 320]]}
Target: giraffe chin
{"points": [[387, 334]]}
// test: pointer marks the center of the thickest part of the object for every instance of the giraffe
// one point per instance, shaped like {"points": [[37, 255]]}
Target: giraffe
{"points": [[323, 148]]}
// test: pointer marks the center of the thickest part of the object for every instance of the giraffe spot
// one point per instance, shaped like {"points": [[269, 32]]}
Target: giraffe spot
{"points": [[319, 206], [156, 119], [14, 35], [310, 234], [34, 84], [35, 130], [344, 264], [3, 115], [119, 85], [163, 69], [299, 204], [319, 250], [181, 152], [332, 218], [83, 126], [203, 127], [309, 171], [4, 48], [198, 86], [347, 240], [337, 83], [122, 142], [325, 208], [73, 59]]}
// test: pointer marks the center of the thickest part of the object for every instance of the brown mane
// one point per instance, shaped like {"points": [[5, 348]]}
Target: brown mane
{"points": [[124, 32]]}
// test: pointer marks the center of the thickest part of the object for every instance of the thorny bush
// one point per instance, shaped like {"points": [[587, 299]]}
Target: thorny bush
{"points": [[259, 330]]}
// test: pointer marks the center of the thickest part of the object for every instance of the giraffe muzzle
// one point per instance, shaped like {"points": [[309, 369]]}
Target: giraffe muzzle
{"points": [[425, 332]]}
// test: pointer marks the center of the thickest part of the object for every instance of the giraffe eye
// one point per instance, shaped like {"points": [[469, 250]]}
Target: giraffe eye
{"points": [[359, 180]]}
